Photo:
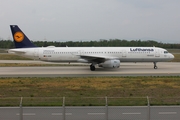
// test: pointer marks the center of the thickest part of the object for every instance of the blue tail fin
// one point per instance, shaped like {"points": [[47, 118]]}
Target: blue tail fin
{"points": [[20, 39]]}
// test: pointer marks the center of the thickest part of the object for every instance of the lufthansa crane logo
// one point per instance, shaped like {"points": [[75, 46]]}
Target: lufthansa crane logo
{"points": [[18, 36]]}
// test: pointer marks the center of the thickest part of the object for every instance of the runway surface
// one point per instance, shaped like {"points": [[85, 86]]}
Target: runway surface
{"points": [[126, 69], [91, 113]]}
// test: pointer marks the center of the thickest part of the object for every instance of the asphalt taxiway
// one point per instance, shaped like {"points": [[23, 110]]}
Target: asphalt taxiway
{"points": [[92, 113], [126, 69]]}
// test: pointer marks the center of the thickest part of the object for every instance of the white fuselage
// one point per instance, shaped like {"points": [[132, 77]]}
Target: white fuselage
{"points": [[74, 54]]}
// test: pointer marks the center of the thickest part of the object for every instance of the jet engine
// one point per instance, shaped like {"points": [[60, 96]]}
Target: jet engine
{"points": [[110, 64]]}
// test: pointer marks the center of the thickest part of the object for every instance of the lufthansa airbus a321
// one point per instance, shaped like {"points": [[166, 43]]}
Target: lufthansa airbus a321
{"points": [[106, 57]]}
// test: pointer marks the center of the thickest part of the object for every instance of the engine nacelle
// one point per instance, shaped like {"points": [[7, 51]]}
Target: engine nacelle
{"points": [[110, 64], [82, 61]]}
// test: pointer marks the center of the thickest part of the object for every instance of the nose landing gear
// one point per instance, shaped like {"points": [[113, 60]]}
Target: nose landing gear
{"points": [[155, 66]]}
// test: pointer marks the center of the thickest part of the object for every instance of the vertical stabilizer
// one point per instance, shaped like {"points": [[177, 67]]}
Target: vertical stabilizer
{"points": [[20, 39]]}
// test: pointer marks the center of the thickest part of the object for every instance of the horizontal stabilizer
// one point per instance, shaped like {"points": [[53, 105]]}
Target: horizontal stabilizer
{"points": [[18, 51]]}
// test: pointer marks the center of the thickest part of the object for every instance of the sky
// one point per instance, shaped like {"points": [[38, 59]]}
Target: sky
{"points": [[85, 20]]}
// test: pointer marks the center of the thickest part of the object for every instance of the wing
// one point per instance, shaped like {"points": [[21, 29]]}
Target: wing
{"points": [[96, 58]]}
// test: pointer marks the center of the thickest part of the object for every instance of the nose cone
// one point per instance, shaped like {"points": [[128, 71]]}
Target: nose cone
{"points": [[171, 56]]}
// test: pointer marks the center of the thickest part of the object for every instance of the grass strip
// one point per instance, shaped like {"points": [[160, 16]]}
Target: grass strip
{"points": [[90, 91]]}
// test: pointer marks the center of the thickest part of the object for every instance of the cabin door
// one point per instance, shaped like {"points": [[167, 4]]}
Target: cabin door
{"points": [[124, 53], [157, 53]]}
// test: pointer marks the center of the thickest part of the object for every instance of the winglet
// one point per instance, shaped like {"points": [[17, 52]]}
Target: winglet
{"points": [[20, 39]]}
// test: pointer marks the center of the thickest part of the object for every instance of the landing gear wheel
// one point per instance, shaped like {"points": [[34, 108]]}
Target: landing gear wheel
{"points": [[155, 66], [92, 68]]}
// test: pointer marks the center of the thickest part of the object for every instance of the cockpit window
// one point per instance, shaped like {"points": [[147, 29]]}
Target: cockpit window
{"points": [[165, 52]]}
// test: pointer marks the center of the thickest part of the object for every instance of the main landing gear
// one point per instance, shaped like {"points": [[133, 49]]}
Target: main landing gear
{"points": [[92, 67], [155, 66]]}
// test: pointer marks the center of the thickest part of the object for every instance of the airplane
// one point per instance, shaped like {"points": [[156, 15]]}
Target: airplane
{"points": [[106, 57]]}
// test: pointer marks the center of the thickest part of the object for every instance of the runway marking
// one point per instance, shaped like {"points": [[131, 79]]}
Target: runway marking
{"points": [[131, 113], [26, 114], [61, 114], [96, 113], [56, 114], [167, 113]]}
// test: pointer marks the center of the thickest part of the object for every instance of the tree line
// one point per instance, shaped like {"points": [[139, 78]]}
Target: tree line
{"points": [[7, 44]]}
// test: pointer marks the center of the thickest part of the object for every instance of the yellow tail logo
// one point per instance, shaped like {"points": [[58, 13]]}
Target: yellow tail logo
{"points": [[18, 36]]}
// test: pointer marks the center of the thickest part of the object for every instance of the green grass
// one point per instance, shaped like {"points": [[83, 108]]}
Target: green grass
{"points": [[90, 91], [177, 58], [174, 51], [6, 56], [3, 50]]}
